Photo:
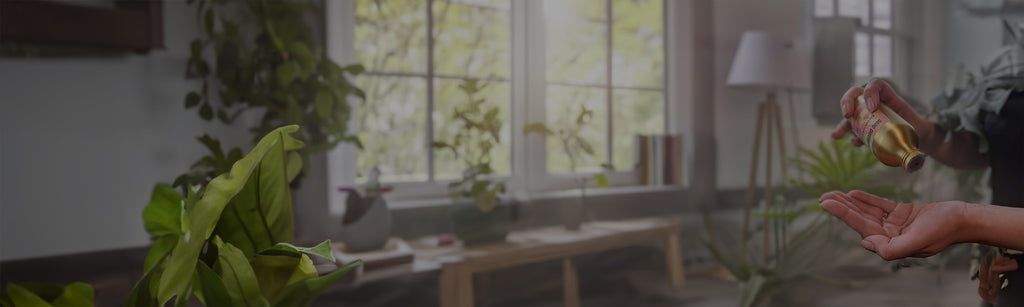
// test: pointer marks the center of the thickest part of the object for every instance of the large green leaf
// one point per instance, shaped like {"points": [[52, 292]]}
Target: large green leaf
{"points": [[752, 291], [213, 292], [142, 293], [204, 216], [284, 249], [260, 215], [274, 273], [303, 293], [162, 216], [75, 294], [238, 276], [23, 297], [161, 248]]}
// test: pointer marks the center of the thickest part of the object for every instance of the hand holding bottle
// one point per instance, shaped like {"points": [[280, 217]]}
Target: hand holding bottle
{"points": [[891, 138], [876, 93]]}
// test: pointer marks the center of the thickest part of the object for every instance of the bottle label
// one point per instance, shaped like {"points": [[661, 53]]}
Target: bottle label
{"points": [[866, 124]]}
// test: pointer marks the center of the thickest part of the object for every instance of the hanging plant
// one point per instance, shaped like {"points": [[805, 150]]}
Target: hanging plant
{"points": [[962, 107], [262, 55]]}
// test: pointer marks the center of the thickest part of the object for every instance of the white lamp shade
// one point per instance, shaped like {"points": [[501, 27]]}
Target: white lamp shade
{"points": [[766, 60]]}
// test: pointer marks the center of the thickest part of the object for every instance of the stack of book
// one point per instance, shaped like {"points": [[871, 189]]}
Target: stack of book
{"points": [[659, 159]]}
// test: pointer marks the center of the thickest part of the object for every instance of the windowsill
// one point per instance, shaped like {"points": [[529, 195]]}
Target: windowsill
{"points": [[547, 195]]}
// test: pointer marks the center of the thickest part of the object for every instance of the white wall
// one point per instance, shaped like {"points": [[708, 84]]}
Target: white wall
{"points": [[84, 139], [968, 40], [736, 109]]}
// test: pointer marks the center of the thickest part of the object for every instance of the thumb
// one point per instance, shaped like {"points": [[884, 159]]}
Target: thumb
{"points": [[1004, 266], [881, 245]]}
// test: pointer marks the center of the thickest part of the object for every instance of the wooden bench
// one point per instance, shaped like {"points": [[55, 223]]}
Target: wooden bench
{"points": [[551, 243]]}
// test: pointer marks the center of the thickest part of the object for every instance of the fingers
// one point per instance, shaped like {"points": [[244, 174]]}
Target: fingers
{"points": [[882, 246], [898, 247], [864, 225], [856, 142], [1000, 267], [870, 212], [841, 129], [988, 285], [849, 101], [878, 91], [875, 201], [988, 292]]}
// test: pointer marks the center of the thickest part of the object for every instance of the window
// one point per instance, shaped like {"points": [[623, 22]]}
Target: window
{"points": [[605, 54], [411, 80], [874, 41]]}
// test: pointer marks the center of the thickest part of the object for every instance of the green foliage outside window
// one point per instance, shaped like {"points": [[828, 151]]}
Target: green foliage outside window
{"points": [[480, 131], [575, 147]]}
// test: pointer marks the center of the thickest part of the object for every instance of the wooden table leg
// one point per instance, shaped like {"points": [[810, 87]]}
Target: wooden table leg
{"points": [[456, 287], [674, 261], [448, 287], [465, 287], [571, 285]]}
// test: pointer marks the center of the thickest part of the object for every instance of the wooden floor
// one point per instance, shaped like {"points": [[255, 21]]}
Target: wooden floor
{"points": [[634, 277]]}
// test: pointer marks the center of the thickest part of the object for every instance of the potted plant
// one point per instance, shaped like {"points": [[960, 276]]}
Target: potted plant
{"points": [[575, 148], [806, 239], [229, 243], [263, 56], [477, 215], [43, 294]]}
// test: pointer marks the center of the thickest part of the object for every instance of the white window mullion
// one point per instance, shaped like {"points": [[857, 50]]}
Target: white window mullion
{"points": [[609, 148], [535, 85], [341, 161], [522, 164], [430, 91]]}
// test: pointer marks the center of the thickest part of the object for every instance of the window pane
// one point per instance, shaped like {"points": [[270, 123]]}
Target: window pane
{"points": [[448, 96], [391, 35], [576, 41], [391, 126], [882, 14], [824, 8], [861, 64], [637, 50], [471, 40], [882, 55], [563, 106], [635, 112], [854, 8]]}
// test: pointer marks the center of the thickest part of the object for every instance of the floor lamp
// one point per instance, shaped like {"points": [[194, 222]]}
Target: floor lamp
{"points": [[770, 63]]}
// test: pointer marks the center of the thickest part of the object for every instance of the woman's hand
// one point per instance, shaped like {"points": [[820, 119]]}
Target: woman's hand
{"points": [[893, 230], [877, 92], [989, 282]]}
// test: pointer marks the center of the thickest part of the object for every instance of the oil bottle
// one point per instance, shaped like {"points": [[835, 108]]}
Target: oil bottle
{"points": [[889, 136]]}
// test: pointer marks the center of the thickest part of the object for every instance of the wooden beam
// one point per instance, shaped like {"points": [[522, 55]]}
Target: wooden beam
{"points": [[133, 25]]}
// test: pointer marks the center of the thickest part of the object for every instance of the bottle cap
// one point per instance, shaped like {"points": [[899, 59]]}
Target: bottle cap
{"points": [[913, 160]]}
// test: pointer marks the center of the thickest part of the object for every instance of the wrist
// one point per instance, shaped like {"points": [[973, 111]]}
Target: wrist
{"points": [[972, 223], [928, 135]]}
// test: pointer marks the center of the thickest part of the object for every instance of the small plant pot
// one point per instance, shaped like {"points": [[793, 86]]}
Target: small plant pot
{"points": [[474, 227], [574, 212], [371, 230]]}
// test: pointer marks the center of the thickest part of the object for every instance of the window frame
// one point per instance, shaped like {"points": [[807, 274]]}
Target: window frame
{"points": [[900, 40], [528, 84]]}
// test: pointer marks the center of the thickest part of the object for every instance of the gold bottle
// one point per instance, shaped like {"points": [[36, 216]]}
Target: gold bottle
{"points": [[890, 137]]}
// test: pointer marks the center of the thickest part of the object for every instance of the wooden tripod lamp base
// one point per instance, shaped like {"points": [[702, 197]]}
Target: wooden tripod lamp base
{"points": [[768, 117]]}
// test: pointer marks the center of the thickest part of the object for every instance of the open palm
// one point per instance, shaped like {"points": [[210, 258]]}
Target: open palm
{"points": [[894, 230]]}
